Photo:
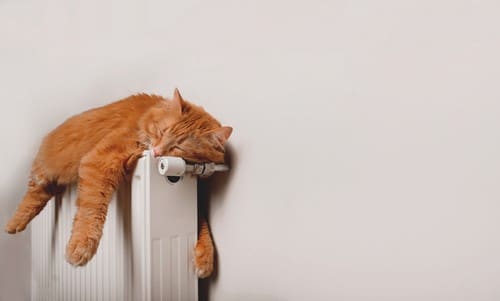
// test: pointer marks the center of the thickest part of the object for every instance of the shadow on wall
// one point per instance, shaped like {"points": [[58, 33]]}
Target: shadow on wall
{"points": [[214, 185]]}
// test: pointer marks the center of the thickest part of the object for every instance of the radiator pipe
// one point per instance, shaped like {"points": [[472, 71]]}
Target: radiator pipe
{"points": [[177, 167]]}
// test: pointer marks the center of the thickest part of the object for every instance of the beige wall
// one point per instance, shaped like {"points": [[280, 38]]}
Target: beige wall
{"points": [[366, 146]]}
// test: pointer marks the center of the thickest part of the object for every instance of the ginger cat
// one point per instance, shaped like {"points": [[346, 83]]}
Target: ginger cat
{"points": [[99, 148]]}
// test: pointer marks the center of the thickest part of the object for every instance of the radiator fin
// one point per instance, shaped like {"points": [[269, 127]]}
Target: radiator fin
{"points": [[103, 278]]}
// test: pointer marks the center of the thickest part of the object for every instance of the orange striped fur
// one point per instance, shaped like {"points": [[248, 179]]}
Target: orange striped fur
{"points": [[98, 148]]}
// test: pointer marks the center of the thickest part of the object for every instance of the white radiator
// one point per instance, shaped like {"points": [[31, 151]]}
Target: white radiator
{"points": [[145, 252]]}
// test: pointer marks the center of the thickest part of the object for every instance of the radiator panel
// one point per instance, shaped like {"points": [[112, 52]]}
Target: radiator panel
{"points": [[136, 258]]}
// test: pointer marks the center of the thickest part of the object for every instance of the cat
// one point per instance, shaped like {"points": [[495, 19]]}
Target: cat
{"points": [[99, 148]]}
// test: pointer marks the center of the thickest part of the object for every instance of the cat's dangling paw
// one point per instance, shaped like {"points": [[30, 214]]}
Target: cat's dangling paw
{"points": [[203, 259], [16, 225], [80, 250]]}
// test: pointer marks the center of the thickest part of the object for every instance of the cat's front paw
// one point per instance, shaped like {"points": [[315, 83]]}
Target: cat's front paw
{"points": [[204, 259], [80, 250], [16, 224]]}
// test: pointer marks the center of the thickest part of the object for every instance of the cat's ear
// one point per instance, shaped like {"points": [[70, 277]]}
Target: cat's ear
{"points": [[223, 133], [176, 103]]}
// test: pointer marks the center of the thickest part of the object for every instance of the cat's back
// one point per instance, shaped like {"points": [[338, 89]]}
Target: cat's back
{"points": [[122, 113], [63, 148]]}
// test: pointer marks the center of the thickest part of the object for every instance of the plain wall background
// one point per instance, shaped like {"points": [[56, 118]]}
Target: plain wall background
{"points": [[366, 145]]}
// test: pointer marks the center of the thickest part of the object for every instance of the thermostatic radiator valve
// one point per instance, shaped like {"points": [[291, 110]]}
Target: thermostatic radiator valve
{"points": [[177, 167]]}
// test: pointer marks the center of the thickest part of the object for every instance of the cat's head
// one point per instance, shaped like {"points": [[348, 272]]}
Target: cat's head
{"points": [[180, 129]]}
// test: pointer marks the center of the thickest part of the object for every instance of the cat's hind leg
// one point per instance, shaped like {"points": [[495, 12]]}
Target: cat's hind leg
{"points": [[39, 192], [204, 251]]}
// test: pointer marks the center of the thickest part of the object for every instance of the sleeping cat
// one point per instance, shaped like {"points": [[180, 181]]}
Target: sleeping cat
{"points": [[98, 148]]}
